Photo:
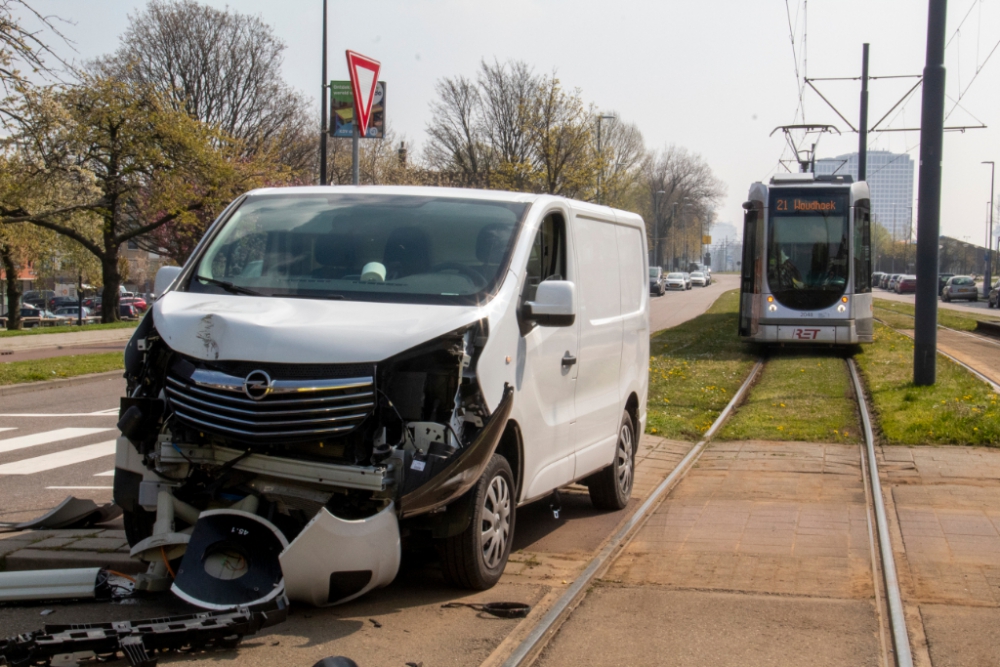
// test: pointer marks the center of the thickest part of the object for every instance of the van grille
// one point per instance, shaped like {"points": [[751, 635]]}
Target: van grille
{"points": [[216, 402]]}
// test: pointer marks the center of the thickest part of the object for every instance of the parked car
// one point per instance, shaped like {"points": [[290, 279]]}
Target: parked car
{"points": [[657, 283], [687, 280], [57, 302], [436, 427], [698, 278], [942, 281], [127, 311], [676, 281], [886, 279], [137, 301], [893, 279], [877, 278], [993, 301], [960, 287], [71, 312], [906, 284], [708, 276]]}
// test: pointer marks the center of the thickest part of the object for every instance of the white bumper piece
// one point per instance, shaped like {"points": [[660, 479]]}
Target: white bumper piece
{"points": [[334, 560]]}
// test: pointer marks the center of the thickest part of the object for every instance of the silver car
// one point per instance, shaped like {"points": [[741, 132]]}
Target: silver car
{"points": [[676, 281], [960, 287]]}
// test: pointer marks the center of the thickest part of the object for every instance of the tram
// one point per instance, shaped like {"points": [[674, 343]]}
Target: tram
{"points": [[806, 268]]}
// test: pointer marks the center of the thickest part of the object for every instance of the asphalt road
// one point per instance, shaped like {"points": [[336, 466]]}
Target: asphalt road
{"points": [[973, 307], [673, 308]]}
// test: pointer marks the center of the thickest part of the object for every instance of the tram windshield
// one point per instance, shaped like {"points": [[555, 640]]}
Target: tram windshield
{"points": [[808, 246]]}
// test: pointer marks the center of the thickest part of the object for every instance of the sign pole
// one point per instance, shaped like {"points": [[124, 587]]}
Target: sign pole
{"points": [[323, 113], [929, 199], [355, 146]]}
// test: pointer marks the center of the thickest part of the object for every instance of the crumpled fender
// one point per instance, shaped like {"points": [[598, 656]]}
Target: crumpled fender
{"points": [[458, 475]]}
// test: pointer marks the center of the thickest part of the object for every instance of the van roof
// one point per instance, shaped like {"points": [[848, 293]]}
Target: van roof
{"points": [[624, 217]]}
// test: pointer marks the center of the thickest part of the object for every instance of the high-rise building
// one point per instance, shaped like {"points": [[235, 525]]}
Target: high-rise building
{"points": [[890, 177]]}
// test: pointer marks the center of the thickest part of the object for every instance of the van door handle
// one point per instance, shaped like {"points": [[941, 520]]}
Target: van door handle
{"points": [[568, 360]]}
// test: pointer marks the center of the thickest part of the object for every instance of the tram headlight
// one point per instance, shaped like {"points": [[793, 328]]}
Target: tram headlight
{"points": [[841, 308], [772, 308]]}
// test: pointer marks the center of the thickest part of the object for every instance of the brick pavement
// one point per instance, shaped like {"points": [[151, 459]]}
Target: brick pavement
{"points": [[947, 510]]}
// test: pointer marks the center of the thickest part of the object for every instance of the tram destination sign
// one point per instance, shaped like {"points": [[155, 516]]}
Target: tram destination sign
{"points": [[798, 205]]}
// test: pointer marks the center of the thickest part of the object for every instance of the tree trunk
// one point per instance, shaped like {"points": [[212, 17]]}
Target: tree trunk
{"points": [[13, 289], [112, 279]]}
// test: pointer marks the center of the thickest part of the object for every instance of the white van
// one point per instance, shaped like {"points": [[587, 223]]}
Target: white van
{"points": [[359, 364]]}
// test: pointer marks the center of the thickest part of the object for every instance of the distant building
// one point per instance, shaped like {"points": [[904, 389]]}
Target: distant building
{"points": [[890, 177]]}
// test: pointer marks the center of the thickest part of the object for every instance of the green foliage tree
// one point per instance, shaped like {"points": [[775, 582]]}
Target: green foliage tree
{"points": [[116, 162]]}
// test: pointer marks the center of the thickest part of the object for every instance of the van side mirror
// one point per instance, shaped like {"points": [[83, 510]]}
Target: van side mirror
{"points": [[164, 277], [554, 304]]}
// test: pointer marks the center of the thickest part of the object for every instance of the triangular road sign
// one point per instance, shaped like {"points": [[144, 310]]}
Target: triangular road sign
{"points": [[364, 77]]}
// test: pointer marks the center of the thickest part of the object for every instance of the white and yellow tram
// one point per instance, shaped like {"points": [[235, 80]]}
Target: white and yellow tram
{"points": [[806, 267]]}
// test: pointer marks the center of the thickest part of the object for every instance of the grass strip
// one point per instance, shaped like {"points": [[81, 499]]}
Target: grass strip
{"points": [[801, 395], [16, 372], [36, 331], [694, 370], [958, 409], [895, 314]]}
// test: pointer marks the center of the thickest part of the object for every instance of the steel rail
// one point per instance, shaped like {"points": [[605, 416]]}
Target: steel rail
{"points": [[525, 651], [897, 621]]}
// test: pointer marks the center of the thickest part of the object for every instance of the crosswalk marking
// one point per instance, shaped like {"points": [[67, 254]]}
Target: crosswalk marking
{"points": [[80, 487], [46, 437], [58, 459], [106, 473], [102, 413], [7, 428]]}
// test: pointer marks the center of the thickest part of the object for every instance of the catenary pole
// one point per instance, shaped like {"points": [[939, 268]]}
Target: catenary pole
{"points": [[929, 202], [323, 112], [988, 276], [355, 158], [863, 122]]}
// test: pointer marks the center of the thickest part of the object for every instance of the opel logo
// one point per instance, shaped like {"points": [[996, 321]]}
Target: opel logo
{"points": [[257, 385]]}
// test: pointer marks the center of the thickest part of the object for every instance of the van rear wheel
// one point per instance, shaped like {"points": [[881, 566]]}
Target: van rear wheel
{"points": [[477, 557], [611, 488]]}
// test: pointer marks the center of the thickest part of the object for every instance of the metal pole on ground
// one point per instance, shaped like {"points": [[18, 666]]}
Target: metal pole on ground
{"points": [[988, 276], [863, 124], [355, 159], [323, 112], [929, 193]]}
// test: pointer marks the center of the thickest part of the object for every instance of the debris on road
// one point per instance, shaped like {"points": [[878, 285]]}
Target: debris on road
{"points": [[138, 641], [35, 585], [499, 609], [71, 513]]}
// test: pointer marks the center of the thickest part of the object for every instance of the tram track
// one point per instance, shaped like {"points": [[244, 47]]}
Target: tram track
{"points": [[544, 628]]}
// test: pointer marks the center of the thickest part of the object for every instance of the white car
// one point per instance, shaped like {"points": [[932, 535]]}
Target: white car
{"points": [[676, 281], [71, 312], [698, 278], [399, 359], [687, 280]]}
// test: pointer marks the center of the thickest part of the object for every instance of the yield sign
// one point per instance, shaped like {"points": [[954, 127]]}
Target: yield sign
{"points": [[364, 77]]}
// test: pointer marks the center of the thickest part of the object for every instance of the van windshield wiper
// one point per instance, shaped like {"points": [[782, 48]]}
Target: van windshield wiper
{"points": [[229, 287]]}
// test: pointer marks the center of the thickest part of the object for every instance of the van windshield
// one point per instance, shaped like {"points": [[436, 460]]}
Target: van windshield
{"points": [[397, 248]]}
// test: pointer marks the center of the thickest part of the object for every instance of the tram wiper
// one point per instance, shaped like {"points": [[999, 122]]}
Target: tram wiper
{"points": [[228, 286]]}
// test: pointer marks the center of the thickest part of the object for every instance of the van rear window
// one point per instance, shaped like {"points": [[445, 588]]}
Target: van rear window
{"points": [[401, 248]]}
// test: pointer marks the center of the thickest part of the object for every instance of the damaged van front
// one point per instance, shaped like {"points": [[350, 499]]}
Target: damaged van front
{"points": [[317, 357], [337, 368]]}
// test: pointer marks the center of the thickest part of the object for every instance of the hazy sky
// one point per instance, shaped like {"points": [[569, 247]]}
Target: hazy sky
{"points": [[714, 77]]}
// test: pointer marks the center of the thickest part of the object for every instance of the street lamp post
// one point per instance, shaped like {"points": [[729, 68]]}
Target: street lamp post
{"points": [[988, 276], [600, 155], [323, 119], [658, 226]]}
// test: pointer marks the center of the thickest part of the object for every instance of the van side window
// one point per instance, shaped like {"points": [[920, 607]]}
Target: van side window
{"points": [[548, 255]]}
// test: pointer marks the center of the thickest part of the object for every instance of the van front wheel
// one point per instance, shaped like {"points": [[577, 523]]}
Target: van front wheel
{"points": [[611, 488], [477, 557]]}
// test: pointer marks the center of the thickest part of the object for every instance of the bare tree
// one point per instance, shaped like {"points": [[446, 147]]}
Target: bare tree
{"points": [[21, 46], [680, 188], [509, 92], [220, 66], [624, 155], [561, 138], [457, 144]]}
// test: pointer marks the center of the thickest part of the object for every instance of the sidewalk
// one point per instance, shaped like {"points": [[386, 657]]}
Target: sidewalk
{"points": [[62, 340], [71, 548]]}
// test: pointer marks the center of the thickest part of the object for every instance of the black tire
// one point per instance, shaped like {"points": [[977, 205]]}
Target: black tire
{"points": [[476, 557], [945, 298], [611, 487]]}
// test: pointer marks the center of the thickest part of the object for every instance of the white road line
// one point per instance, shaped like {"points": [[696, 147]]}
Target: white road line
{"points": [[58, 459], [7, 428], [80, 487], [106, 413], [106, 473], [46, 437]]}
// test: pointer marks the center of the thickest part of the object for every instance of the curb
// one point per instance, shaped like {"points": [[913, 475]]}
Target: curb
{"points": [[25, 387]]}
